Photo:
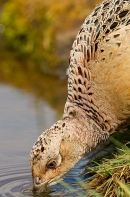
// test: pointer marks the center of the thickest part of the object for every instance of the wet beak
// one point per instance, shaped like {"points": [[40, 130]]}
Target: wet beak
{"points": [[38, 187]]}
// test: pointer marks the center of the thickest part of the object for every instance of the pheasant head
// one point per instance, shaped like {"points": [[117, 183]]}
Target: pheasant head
{"points": [[56, 151]]}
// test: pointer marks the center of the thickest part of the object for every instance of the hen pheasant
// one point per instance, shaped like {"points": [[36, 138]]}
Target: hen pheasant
{"points": [[98, 102]]}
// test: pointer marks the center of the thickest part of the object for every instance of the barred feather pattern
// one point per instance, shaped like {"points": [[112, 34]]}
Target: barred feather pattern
{"points": [[106, 20]]}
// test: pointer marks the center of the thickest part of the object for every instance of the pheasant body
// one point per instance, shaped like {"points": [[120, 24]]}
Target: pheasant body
{"points": [[98, 102], [99, 63]]}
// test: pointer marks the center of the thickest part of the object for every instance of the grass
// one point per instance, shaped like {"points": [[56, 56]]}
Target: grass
{"points": [[112, 176]]}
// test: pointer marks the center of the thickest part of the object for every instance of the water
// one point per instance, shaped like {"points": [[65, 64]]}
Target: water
{"points": [[22, 120], [14, 179]]}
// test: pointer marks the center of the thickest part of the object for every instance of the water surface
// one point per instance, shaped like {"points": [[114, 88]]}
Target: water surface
{"points": [[22, 120]]}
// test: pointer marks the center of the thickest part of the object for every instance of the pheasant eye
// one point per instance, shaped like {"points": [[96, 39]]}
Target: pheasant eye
{"points": [[52, 165]]}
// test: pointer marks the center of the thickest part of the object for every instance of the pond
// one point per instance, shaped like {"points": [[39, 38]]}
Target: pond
{"points": [[22, 119]]}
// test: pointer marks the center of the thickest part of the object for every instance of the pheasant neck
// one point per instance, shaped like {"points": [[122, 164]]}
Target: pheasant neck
{"points": [[90, 127]]}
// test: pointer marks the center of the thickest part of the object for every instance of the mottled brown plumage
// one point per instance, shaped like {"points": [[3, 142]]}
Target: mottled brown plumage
{"points": [[98, 102]]}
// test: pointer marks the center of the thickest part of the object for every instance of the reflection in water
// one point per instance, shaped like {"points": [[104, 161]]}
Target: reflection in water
{"points": [[19, 115]]}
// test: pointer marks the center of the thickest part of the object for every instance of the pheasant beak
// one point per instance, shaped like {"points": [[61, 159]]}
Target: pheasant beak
{"points": [[38, 186]]}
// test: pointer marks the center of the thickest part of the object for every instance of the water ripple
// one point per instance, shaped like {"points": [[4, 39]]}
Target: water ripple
{"points": [[14, 179]]}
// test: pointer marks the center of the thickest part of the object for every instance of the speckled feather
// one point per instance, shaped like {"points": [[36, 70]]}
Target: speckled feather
{"points": [[98, 102]]}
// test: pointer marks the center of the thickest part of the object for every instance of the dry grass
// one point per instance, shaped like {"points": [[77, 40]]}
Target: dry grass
{"points": [[112, 177]]}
